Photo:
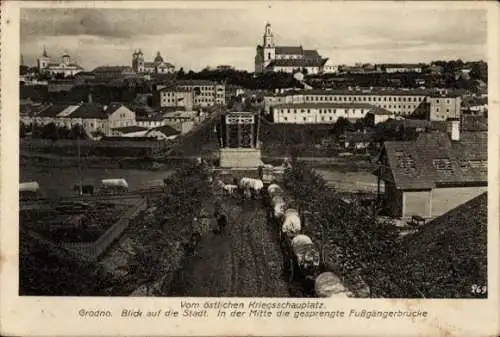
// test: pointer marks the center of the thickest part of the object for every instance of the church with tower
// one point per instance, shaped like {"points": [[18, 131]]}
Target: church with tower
{"points": [[65, 68], [158, 66], [290, 59]]}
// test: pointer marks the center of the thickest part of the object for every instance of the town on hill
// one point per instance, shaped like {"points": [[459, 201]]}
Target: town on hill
{"points": [[279, 180]]}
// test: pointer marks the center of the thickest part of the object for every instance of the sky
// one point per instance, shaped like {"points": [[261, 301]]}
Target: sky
{"points": [[194, 38]]}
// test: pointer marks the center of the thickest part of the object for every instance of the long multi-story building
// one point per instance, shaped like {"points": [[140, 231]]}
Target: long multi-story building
{"points": [[175, 98], [327, 113], [204, 93], [403, 103]]}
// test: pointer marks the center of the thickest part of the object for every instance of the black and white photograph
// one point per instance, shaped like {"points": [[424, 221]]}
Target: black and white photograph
{"points": [[220, 152]]}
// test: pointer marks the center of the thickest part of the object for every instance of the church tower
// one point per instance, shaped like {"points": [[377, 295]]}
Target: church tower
{"points": [[43, 61], [268, 45]]}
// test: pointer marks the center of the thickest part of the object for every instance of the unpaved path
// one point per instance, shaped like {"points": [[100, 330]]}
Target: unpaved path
{"points": [[246, 261]]}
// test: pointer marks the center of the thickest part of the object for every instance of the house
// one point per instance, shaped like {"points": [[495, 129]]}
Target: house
{"points": [[434, 173], [112, 72], [93, 117], [402, 68], [150, 121], [358, 140], [163, 132]]}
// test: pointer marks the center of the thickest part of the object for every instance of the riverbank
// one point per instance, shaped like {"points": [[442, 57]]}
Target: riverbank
{"points": [[352, 163]]}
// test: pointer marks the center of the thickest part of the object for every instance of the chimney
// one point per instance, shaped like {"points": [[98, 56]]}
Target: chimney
{"points": [[454, 129], [89, 97]]}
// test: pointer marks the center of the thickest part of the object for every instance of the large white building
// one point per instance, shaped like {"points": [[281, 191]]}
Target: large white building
{"points": [[158, 66], [327, 113], [65, 67], [400, 102], [195, 93], [290, 59]]}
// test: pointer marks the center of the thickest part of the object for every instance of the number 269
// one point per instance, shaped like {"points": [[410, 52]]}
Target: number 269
{"points": [[479, 290]]}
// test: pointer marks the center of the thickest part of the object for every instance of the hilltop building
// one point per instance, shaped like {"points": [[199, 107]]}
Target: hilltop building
{"points": [[290, 59], [158, 66], [65, 67], [190, 94], [403, 103]]}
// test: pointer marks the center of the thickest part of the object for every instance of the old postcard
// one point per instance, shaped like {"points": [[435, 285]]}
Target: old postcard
{"points": [[249, 168]]}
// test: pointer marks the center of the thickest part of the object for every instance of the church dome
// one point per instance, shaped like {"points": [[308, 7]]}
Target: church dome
{"points": [[158, 58]]}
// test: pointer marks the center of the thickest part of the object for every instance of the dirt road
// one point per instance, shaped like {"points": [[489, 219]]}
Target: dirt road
{"points": [[245, 261]]}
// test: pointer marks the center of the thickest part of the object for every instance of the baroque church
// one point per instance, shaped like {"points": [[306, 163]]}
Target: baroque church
{"points": [[290, 59], [158, 66], [46, 65]]}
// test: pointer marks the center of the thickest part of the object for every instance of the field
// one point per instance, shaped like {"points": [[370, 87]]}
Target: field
{"points": [[64, 224], [67, 177]]}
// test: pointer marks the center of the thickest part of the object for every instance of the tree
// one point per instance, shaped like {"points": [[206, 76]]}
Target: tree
{"points": [[77, 132], [341, 126], [145, 265]]}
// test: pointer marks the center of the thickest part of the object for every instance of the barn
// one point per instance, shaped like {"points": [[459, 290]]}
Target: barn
{"points": [[433, 174]]}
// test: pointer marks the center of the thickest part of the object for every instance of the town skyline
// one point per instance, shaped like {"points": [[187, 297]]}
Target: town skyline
{"points": [[196, 38]]}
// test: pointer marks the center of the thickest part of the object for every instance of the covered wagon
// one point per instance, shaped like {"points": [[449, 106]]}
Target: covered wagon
{"points": [[31, 186], [328, 284], [30, 189], [114, 185], [302, 258]]}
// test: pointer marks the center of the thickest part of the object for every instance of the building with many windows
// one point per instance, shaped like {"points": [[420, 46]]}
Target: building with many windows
{"points": [[290, 59], [400, 102], [172, 97], [328, 113], [204, 93]]}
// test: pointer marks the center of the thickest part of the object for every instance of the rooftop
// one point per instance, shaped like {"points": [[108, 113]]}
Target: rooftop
{"points": [[448, 254], [374, 92], [165, 129], [433, 159], [130, 129], [327, 105], [289, 50], [82, 110], [308, 62]]}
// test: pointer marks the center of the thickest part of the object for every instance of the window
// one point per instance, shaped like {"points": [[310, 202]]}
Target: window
{"points": [[304, 119], [437, 101], [286, 118], [443, 165]]}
